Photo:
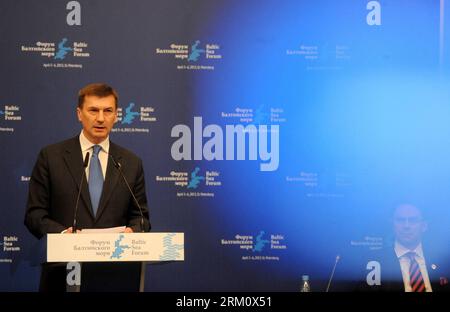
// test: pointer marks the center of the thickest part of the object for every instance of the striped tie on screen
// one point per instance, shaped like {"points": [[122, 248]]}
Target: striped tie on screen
{"points": [[415, 276]]}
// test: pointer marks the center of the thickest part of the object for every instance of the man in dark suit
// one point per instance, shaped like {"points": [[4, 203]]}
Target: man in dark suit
{"points": [[105, 200], [407, 265]]}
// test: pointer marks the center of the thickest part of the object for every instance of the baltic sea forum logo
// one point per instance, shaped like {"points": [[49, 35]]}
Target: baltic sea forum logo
{"points": [[322, 57], [195, 52], [129, 115], [134, 119], [63, 53], [198, 183], [62, 50], [199, 56], [260, 242], [9, 115], [119, 249], [261, 115], [263, 247], [195, 179], [9, 245]]}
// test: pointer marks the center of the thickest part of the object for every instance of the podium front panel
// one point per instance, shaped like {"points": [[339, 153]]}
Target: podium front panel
{"points": [[116, 247]]}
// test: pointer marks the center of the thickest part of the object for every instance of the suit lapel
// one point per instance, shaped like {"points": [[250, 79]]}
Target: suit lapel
{"points": [[394, 272], [111, 178], [74, 162]]}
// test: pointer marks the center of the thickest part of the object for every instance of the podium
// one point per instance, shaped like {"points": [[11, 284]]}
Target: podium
{"points": [[103, 249]]}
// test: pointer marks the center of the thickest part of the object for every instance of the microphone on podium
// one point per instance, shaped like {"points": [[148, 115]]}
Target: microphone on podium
{"points": [[118, 166], [85, 164], [332, 273]]}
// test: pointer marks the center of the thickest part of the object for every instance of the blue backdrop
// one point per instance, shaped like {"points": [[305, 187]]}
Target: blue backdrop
{"points": [[275, 135]]}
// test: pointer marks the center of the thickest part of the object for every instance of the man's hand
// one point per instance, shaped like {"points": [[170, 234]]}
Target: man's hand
{"points": [[128, 230], [69, 231]]}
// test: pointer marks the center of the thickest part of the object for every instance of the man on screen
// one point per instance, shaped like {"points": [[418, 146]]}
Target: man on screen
{"points": [[410, 266], [105, 200]]}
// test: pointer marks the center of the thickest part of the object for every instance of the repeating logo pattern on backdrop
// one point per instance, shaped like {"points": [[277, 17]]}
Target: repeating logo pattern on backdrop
{"points": [[8, 245], [259, 247], [134, 119], [325, 184], [198, 183], [194, 56], [9, 115], [262, 115], [321, 56], [61, 54]]}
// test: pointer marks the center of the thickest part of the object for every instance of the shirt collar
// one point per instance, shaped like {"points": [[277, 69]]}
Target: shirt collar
{"points": [[86, 145], [401, 250]]}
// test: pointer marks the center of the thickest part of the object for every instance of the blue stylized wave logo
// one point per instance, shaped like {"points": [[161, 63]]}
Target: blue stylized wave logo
{"points": [[260, 242], [195, 179], [62, 50], [171, 250], [195, 52], [119, 248], [129, 115], [260, 117]]}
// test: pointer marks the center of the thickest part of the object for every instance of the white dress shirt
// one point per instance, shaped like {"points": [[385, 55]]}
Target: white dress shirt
{"points": [[87, 146], [405, 263]]}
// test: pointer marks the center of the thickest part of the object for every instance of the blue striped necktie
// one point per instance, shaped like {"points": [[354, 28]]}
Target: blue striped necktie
{"points": [[95, 179], [415, 276]]}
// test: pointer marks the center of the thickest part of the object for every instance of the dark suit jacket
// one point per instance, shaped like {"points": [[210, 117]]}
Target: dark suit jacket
{"points": [[54, 186]]}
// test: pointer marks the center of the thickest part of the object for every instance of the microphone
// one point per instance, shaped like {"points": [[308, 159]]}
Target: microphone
{"points": [[332, 273], [85, 164], [118, 165]]}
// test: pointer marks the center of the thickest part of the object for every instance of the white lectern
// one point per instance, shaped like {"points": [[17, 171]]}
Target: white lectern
{"points": [[113, 247]]}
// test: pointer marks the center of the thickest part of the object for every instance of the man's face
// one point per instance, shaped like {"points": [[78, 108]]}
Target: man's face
{"points": [[409, 225], [97, 116]]}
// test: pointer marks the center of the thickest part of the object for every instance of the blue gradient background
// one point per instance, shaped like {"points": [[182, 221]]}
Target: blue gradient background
{"points": [[380, 118]]}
